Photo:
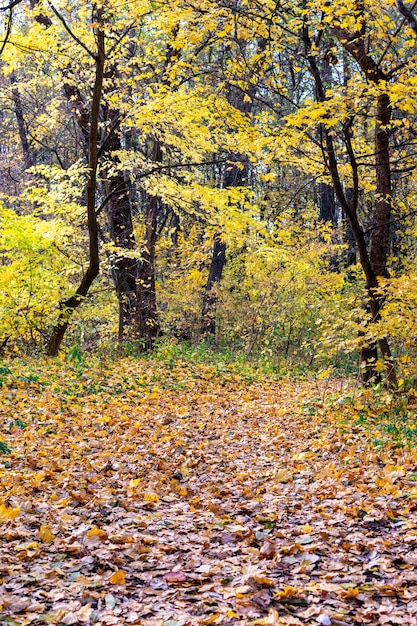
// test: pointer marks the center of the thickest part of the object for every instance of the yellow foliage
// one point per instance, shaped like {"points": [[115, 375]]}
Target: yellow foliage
{"points": [[7, 513]]}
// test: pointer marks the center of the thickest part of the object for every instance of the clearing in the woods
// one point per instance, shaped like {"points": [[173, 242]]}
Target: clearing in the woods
{"points": [[160, 494]]}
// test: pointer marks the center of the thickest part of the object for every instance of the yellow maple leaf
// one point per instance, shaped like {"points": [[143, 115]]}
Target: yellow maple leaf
{"points": [[103, 420], [7, 512], [151, 497], [47, 536], [282, 476], [288, 592], [118, 577], [97, 532]]}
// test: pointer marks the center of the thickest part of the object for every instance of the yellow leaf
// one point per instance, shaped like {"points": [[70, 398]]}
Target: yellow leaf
{"points": [[97, 532], [118, 578], [33, 545], [282, 476], [7, 512], [307, 529], [288, 592], [151, 497], [301, 456], [47, 536]]}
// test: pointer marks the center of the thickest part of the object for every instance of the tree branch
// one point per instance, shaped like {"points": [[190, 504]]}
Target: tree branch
{"points": [[69, 31], [8, 31], [11, 5], [408, 14]]}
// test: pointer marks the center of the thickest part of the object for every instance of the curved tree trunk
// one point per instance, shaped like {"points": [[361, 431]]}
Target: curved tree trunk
{"points": [[68, 306], [374, 263]]}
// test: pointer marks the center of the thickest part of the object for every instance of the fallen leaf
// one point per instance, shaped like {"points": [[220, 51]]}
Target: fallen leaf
{"points": [[46, 534], [8, 513], [175, 577], [282, 476], [118, 578]]}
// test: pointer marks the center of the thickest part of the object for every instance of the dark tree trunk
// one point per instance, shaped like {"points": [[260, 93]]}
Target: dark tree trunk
{"points": [[380, 237], [28, 156], [233, 176], [68, 306], [147, 322], [147, 327], [124, 266], [327, 205], [328, 214], [356, 47], [117, 189], [218, 261]]}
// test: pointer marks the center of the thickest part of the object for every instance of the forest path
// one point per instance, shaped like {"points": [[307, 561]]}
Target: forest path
{"points": [[137, 493]]}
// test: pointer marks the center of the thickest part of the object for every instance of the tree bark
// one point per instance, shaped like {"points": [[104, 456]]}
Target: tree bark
{"points": [[356, 47], [380, 238], [124, 260], [327, 206], [218, 261], [68, 306], [28, 155], [147, 322]]}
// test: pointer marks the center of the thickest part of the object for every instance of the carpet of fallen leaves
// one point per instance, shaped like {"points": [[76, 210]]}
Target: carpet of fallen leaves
{"points": [[138, 493]]}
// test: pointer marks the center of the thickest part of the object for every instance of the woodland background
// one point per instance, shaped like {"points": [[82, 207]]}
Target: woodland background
{"points": [[202, 201], [238, 173]]}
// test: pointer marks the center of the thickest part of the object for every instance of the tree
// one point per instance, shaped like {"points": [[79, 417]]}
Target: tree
{"points": [[68, 306]]}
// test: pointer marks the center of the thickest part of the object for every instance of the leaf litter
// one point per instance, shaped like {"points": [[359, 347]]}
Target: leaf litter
{"points": [[137, 493]]}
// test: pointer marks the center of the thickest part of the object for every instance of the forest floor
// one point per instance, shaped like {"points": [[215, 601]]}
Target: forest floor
{"points": [[171, 494]]}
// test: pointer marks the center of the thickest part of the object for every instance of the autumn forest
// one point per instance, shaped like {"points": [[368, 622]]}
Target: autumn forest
{"points": [[208, 304]]}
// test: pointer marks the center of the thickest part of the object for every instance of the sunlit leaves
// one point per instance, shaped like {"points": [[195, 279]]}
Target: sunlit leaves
{"points": [[33, 271], [7, 512]]}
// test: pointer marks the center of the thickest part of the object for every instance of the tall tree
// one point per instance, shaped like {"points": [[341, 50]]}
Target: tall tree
{"points": [[68, 306]]}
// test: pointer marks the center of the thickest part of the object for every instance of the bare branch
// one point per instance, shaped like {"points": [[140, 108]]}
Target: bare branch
{"points": [[408, 14], [11, 5], [69, 31], [8, 31]]}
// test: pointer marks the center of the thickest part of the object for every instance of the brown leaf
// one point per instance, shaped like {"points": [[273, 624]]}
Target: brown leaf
{"points": [[268, 550], [175, 578]]}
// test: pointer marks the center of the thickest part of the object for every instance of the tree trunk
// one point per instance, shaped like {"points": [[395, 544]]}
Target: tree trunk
{"points": [[380, 237], [28, 156], [124, 265], [327, 206], [356, 47], [68, 306], [218, 261], [147, 323], [233, 176]]}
